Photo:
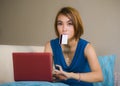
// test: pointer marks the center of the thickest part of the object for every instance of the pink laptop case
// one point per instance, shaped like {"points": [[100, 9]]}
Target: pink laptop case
{"points": [[32, 66]]}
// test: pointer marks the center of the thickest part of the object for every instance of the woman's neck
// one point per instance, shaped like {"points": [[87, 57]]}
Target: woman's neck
{"points": [[71, 45], [72, 42]]}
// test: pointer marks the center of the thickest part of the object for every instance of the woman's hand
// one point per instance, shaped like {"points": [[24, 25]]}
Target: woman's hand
{"points": [[59, 74]]}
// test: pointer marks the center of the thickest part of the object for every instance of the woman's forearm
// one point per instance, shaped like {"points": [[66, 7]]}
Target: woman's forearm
{"points": [[87, 77]]}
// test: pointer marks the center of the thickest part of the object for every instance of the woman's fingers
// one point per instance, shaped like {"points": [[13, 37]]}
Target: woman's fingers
{"points": [[59, 73], [58, 67]]}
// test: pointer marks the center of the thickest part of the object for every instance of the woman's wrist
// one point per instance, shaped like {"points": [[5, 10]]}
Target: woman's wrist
{"points": [[71, 75], [76, 76], [79, 77]]}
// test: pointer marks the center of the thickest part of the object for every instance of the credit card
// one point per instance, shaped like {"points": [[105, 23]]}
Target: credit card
{"points": [[63, 39]]}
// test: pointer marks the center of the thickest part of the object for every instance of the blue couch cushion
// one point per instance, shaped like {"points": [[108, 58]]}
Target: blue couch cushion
{"points": [[33, 83], [107, 64]]}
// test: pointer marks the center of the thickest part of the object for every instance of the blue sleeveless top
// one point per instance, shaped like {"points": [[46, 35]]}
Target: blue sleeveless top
{"points": [[79, 63]]}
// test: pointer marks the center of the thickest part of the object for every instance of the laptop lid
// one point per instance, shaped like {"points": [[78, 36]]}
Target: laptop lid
{"points": [[32, 66]]}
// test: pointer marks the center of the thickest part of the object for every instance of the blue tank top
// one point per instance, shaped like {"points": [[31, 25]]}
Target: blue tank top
{"points": [[79, 63]]}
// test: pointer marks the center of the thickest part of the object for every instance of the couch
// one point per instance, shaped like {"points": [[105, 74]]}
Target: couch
{"points": [[6, 66]]}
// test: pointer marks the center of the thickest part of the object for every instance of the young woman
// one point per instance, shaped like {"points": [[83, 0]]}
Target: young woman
{"points": [[77, 61]]}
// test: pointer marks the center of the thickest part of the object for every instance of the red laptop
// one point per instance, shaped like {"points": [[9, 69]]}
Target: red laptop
{"points": [[32, 66]]}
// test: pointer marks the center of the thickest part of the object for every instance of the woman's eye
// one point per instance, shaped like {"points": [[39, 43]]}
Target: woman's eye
{"points": [[70, 23], [59, 23]]}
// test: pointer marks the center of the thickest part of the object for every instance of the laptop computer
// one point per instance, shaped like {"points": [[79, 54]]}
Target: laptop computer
{"points": [[32, 66]]}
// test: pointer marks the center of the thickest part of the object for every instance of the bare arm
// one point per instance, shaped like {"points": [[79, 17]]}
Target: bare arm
{"points": [[48, 48], [96, 73]]}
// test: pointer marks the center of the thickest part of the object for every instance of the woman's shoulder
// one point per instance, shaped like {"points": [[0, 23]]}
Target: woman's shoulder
{"points": [[47, 45]]}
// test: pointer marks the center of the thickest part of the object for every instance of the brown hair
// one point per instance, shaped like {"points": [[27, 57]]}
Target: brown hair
{"points": [[72, 14]]}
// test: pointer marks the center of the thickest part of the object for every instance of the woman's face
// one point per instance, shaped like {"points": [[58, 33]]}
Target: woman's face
{"points": [[65, 26]]}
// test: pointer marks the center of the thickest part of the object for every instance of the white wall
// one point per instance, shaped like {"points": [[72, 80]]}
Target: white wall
{"points": [[31, 22]]}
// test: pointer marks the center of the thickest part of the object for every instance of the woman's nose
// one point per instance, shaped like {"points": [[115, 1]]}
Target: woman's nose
{"points": [[64, 28]]}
